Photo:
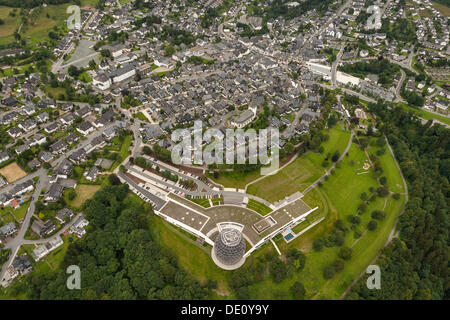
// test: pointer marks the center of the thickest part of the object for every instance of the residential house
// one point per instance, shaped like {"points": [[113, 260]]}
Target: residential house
{"points": [[53, 193], [58, 147], [85, 128], [64, 215], [8, 229]]}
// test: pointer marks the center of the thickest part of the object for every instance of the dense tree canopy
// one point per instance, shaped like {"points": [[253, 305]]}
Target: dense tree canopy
{"points": [[118, 257]]}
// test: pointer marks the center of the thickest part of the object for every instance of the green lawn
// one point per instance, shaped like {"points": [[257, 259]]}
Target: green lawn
{"points": [[55, 92], [391, 172], [295, 177], [202, 202], [84, 192], [123, 153], [7, 217], [302, 171], [259, 207], [22, 211], [305, 170], [232, 179], [338, 139], [336, 200], [216, 201], [141, 116]]}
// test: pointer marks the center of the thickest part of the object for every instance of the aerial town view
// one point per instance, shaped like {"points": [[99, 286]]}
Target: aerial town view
{"points": [[224, 150]]}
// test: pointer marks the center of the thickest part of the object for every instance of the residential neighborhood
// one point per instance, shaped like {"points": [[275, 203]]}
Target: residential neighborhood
{"points": [[88, 108]]}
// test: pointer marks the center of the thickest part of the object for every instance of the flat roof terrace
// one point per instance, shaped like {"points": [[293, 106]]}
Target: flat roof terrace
{"points": [[192, 218], [285, 214], [256, 227]]}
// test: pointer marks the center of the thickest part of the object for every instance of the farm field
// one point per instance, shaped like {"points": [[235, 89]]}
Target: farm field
{"points": [[12, 172]]}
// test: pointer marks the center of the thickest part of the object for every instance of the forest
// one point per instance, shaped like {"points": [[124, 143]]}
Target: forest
{"points": [[415, 264], [118, 258]]}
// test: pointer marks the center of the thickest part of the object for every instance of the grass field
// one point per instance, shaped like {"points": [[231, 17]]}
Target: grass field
{"points": [[233, 179], [337, 201], [217, 201], [394, 179], [443, 9], [292, 178], [338, 139], [259, 207], [141, 116], [124, 152], [21, 212], [50, 16], [55, 92], [312, 167], [84, 192], [12, 172], [10, 24], [425, 114], [302, 171]]}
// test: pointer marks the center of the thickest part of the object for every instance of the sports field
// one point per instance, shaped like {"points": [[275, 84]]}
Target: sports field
{"points": [[12, 172]]}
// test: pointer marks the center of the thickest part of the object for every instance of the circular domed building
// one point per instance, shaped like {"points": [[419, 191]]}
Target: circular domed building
{"points": [[229, 247]]}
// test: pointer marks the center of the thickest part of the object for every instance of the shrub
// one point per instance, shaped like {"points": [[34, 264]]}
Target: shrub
{"points": [[298, 290], [345, 253], [318, 244], [328, 272], [338, 265], [372, 225]]}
